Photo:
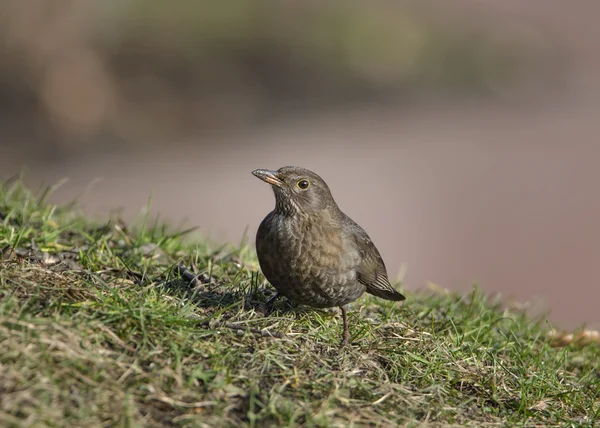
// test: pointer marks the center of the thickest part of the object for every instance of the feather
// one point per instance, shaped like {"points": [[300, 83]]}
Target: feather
{"points": [[371, 271]]}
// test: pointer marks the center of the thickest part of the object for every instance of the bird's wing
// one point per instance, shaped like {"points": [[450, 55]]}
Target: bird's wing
{"points": [[371, 271]]}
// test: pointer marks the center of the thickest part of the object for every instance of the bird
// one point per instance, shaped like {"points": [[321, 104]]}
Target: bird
{"points": [[313, 253]]}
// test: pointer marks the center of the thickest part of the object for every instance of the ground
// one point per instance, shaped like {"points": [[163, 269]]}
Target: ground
{"points": [[98, 327]]}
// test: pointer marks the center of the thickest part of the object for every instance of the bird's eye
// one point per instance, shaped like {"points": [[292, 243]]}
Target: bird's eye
{"points": [[303, 184]]}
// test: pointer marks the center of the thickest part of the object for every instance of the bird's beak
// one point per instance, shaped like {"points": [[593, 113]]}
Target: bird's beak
{"points": [[268, 176]]}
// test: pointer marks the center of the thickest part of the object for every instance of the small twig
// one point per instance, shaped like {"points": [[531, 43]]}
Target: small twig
{"points": [[187, 274], [233, 326]]}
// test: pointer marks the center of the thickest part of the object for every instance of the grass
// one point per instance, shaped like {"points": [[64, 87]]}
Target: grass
{"points": [[97, 328]]}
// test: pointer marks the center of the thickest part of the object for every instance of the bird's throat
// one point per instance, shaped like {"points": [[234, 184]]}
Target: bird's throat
{"points": [[285, 205]]}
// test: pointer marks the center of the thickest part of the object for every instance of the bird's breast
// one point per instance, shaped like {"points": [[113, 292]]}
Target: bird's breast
{"points": [[306, 250]]}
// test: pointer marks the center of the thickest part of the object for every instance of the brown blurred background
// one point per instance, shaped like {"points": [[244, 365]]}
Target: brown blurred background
{"points": [[462, 135]]}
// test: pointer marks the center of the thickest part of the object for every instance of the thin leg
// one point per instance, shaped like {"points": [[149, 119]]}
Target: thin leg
{"points": [[268, 307], [272, 299], [346, 334]]}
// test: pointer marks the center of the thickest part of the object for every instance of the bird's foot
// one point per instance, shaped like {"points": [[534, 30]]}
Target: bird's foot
{"points": [[268, 306], [272, 299], [345, 341]]}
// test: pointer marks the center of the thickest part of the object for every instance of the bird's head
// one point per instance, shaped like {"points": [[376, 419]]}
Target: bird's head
{"points": [[298, 190]]}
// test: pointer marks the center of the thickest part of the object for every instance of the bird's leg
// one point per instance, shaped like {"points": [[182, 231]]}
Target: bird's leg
{"points": [[269, 304], [272, 299], [346, 334]]}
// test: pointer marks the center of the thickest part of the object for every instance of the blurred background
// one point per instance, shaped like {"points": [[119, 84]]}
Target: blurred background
{"points": [[463, 136]]}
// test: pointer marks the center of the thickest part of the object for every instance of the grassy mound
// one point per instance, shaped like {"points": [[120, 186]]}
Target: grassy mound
{"points": [[98, 328]]}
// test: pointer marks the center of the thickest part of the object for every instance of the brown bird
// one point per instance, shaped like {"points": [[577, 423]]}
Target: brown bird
{"points": [[312, 252]]}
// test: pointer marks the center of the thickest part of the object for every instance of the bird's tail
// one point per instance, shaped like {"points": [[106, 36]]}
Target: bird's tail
{"points": [[387, 293]]}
